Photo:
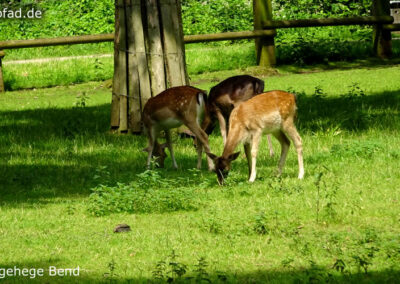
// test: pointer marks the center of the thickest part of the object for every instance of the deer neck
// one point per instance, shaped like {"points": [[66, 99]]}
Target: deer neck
{"points": [[235, 137]]}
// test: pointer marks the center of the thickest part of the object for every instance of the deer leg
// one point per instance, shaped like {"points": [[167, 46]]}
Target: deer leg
{"points": [[247, 151], [222, 125], [203, 138], [285, 143], [291, 131], [169, 145], [271, 149], [151, 133], [255, 141]]}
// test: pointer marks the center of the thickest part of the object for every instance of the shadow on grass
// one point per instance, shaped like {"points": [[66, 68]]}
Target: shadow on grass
{"points": [[369, 63], [49, 153], [316, 274]]}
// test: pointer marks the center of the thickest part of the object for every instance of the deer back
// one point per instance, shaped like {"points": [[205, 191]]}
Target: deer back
{"points": [[234, 90], [178, 104], [266, 111]]}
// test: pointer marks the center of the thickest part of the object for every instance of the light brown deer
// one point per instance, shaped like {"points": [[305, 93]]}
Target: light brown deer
{"points": [[272, 112], [227, 95], [170, 109]]}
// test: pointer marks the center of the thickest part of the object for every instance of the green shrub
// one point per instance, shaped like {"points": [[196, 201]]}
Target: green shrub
{"points": [[148, 193]]}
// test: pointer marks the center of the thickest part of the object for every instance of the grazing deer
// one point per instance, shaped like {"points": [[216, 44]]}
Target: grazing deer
{"points": [[272, 112], [227, 95], [170, 109]]}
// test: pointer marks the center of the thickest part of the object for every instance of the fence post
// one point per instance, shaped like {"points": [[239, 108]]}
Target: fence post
{"points": [[265, 46], [382, 38], [2, 89]]}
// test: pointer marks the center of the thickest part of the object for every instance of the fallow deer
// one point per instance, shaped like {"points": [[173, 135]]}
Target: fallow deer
{"points": [[227, 95], [272, 112], [170, 109]]}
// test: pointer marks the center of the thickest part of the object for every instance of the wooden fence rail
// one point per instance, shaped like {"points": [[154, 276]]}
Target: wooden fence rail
{"points": [[70, 40], [371, 20], [268, 32]]}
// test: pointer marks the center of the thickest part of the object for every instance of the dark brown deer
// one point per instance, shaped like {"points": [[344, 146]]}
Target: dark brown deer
{"points": [[170, 109], [227, 95], [272, 112]]}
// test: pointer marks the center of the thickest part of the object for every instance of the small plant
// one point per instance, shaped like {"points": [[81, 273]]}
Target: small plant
{"points": [[111, 269], [102, 175], [287, 262], [261, 224], [317, 183], [361, 261], [318, 93], [81, 100], [159, 270], [170, 269], [201, 270], [327, 189], [70, 208], [355, 92], [339, 265], [98, 68], [212, 225]]}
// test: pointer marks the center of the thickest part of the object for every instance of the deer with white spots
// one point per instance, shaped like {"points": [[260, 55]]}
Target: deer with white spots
{"points": [[170, 109], [272, 112]]}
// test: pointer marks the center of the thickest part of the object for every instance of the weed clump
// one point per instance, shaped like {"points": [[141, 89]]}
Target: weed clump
{"points": [[148, 193]]}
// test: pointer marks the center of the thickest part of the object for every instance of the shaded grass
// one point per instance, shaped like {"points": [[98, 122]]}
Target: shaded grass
{"points": [[340, 224]]}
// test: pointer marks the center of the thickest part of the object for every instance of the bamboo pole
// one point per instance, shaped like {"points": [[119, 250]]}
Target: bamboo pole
{"points": [[265, 46], [2, 89], [382, 38], [122, 56], [172, 47], [180, 46], [120, 87], [182, 40], [116, 83], [156, 56], [135, 39]]}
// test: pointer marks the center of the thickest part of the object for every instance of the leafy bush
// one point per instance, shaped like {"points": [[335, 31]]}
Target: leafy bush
{"points": [[60, 18], [76, 17], [210, 16], [149, 193]]}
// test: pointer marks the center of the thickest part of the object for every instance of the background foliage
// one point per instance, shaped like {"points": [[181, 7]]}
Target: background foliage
{"points": [[77, 17]]}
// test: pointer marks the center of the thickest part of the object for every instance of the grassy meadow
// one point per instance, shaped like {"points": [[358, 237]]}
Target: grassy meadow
{"points": [[200, 58], [66, 182]]}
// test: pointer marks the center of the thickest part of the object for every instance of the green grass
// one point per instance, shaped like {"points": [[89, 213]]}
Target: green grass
{"points": [[57, 73], [201, 59], [339, 224], [60, 51]]}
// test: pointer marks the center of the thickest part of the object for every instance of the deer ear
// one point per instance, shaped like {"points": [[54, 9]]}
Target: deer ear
{"points": [[234, 156], [212, 156]]}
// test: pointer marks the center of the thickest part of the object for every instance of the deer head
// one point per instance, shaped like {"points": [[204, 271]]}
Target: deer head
{"points": [[222, 165]]}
